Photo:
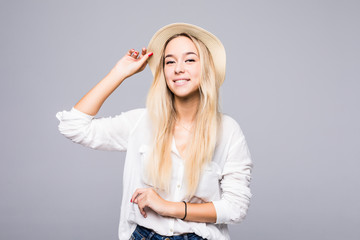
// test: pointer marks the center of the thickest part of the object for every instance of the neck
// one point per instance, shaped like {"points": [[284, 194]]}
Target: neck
{"points": [[186, 109]]}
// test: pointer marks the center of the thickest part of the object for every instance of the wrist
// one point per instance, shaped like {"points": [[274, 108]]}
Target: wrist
{"points": [[117, 75], [175, 209]]}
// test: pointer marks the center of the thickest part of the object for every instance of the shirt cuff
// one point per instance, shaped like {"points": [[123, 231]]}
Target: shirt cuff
{"points": [[221, 214], [73, 113], [74, 110]]}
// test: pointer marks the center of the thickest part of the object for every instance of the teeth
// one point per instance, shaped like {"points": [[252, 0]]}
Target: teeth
{"points": [[180, 81]]}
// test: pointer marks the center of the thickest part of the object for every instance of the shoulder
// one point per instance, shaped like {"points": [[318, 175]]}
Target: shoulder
{"points": [[136, 111], [126, 118], [234, 137], [231, 131], [134, 114], [137, 118], [229, 123]]}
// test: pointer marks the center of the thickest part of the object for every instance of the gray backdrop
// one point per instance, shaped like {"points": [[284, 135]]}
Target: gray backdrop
{"points": [[292, 84]]}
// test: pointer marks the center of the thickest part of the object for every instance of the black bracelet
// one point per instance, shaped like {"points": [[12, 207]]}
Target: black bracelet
{"points": [[185, 210]]}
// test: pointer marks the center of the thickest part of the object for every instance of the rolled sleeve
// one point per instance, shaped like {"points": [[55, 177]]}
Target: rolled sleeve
{"points": [[235, 183], [110, 133]]}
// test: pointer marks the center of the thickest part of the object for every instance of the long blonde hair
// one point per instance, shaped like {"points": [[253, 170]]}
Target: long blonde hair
{"points": [[160, 105]]}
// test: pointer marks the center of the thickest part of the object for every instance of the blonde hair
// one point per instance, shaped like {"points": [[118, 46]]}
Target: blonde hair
{"points": [[162, 113]]}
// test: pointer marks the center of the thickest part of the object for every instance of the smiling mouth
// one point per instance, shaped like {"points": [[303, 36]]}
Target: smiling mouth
{"points": [[181, 80]]}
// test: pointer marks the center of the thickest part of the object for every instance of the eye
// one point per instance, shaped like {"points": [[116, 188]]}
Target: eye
{"points": [[190, 60], [169, 62]]}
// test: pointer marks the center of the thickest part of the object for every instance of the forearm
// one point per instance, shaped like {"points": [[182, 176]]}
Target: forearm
{"points": [[196, 212], [93, 100]]}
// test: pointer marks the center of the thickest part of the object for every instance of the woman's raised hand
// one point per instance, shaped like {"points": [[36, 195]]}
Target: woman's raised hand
{"points": [[128, 65], [133, 62]]}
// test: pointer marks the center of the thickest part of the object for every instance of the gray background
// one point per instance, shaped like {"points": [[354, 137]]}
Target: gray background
{"points": [[292, 84]]}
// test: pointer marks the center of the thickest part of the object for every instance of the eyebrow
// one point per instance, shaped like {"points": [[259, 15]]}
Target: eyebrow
{"points": [[187, 53]]}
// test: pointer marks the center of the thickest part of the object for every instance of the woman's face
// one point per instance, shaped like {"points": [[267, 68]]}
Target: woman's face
{"points": [[182, 67]]}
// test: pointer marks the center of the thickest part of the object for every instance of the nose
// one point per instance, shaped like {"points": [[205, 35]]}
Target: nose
{"points": [[179, 68]]}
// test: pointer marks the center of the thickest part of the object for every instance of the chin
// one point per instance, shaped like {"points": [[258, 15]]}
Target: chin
{"points": [[186, 95]]}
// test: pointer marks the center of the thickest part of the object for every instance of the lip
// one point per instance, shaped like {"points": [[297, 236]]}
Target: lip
{"points": [[187, 79], [182, 82]]}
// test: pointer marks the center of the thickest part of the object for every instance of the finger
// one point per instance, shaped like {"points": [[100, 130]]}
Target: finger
{"points": [[134, 198], [143, 52], [141, 204], [145, 58], [136, 54], [140, 198], [136, 194], [142, 210], [130, 52]]}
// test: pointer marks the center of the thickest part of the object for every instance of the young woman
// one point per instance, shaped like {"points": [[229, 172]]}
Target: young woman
{"points": [[187, 168]]}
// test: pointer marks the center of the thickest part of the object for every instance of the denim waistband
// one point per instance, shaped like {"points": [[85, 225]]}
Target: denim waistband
{"points": [[150, 234]]}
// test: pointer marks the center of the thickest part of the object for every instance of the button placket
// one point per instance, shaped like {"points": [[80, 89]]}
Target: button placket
{"points": [[177, 180], [171, 226], [181, 175]]}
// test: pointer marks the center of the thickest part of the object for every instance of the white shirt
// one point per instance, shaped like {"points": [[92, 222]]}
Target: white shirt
{"points": [[224, 182]]}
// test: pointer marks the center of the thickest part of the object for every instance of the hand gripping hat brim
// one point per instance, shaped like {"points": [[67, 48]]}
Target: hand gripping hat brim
{"points": [[214, 45]]}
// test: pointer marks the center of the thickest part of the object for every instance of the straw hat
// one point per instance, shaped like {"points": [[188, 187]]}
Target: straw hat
{"points": [[214, 45]]}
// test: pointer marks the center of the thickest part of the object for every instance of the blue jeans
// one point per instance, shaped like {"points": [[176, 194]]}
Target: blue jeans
{"points": [[142, 233]]}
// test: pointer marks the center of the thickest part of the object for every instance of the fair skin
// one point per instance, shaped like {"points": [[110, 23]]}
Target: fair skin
{"points": [[181, 62], [182, 73]]}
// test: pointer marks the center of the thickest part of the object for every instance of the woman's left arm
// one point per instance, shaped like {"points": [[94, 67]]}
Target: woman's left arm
{"points": [[195, 212]]}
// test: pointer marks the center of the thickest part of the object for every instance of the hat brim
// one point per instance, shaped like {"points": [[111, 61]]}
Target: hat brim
{"points": [[214, 45]]}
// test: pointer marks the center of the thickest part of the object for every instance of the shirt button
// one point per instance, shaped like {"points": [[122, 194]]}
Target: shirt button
{"points": [[178, 186], [171, 230]]}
